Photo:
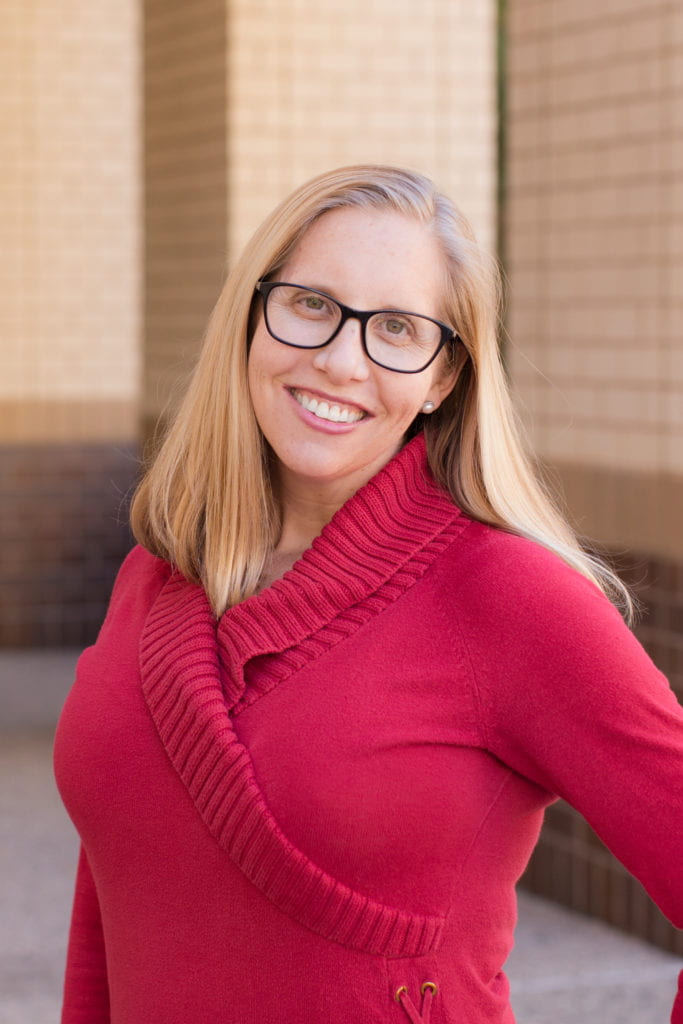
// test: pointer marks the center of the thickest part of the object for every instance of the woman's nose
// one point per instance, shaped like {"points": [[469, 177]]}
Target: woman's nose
{"points": [[344, 358]]}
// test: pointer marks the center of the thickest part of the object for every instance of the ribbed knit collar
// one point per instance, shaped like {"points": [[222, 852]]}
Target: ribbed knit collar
{"points": [[194, 681], [375, 535]]}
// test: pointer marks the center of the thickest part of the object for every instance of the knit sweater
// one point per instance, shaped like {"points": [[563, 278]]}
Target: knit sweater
{"points": [[308, 810]]}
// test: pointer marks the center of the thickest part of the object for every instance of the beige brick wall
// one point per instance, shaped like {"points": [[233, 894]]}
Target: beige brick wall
{"points": [[69, 208], [186, 184], [316, 84], [241, 102], [595, 230], [245, 101]]}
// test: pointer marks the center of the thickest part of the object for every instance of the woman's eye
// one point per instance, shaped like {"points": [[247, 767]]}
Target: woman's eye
{"points": [[395, 327], [314, 302]]}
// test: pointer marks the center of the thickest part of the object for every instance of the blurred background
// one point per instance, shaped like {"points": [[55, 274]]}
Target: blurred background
{"points": [[143, 141]]}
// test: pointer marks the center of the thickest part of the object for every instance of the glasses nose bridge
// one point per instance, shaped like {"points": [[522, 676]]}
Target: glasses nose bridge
{"points": [[347, 313]]}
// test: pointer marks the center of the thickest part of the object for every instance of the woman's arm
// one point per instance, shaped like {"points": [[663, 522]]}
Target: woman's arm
{"points": [[86, 991], [569, 699], [579, 708]]}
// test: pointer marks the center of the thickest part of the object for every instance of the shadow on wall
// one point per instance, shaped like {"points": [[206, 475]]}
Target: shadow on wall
{"points": [[63, 535]]}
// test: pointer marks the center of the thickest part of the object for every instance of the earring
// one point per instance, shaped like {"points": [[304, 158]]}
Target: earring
{"points": [[428, 407]]}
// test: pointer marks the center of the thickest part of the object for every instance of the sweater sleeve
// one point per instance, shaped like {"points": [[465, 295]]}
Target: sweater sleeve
{"points": [[569, 699], [86, 991]]}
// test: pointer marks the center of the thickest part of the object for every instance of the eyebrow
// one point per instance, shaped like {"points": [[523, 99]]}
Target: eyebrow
{"points": [[391, 306]]}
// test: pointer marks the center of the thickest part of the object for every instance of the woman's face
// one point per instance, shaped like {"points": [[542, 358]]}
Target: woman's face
{"points": [[366, 259]]}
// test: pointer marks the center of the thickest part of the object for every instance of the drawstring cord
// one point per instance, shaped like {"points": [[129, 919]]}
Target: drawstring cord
{"points": [[428, 990]]}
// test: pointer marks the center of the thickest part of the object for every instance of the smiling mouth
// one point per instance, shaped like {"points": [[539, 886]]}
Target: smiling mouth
{"points": [[331, 411]]}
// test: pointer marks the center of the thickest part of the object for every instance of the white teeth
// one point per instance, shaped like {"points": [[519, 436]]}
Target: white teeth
{"points": [[325, 411]]}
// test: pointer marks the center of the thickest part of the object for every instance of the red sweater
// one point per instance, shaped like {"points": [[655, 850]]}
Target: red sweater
{"points": [[304, 812]]}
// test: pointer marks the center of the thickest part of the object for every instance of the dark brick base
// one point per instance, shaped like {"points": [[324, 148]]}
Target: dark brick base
{"points": [[63, 535], [570, 864]]}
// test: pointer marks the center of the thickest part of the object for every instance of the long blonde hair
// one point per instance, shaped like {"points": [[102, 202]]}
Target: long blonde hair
{"points": [[207, 505]]}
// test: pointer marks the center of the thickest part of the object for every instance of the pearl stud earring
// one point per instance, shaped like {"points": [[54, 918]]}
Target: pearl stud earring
{"points": [[428, 407]]}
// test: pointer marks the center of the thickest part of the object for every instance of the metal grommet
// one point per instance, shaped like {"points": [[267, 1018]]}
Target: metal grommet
{"points": [[428, 984], [399, 993]]}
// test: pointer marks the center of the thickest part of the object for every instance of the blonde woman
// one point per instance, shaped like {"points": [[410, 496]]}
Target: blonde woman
{"points": [[355, 655]]}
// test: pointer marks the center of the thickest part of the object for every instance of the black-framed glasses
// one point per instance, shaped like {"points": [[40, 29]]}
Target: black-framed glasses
{"points": [[392, 338]]}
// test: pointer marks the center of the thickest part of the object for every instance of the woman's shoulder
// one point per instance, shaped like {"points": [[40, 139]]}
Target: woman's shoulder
{"points": [[500, 574], [137, 584], [139, 559], [495, 550], [528, 619], [140, 567]]}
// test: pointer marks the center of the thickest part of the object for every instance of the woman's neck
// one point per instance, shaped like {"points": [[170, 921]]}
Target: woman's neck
{"points": [[305, 511], [308, 505], [303, 517], [301, 524]]}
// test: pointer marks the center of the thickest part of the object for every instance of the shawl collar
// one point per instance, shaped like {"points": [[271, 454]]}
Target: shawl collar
{"points": [[193, 677]]}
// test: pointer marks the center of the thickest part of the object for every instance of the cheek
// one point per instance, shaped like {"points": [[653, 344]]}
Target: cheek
{"points": [[257, 348], [405, 398], [261, 362], [257, 365], [267, 358]]}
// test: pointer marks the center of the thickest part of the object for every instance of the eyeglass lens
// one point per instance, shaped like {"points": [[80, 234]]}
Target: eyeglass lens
{"points": [[308, 319]]}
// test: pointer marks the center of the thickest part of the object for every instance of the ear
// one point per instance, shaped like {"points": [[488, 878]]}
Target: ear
{"points": [[441, 388]]}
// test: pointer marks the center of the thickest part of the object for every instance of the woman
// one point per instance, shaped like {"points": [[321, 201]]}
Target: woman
{"points": [[354, 657]]}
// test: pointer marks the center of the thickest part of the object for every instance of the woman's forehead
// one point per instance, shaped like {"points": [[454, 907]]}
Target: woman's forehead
{"points": [[369, 258]]}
